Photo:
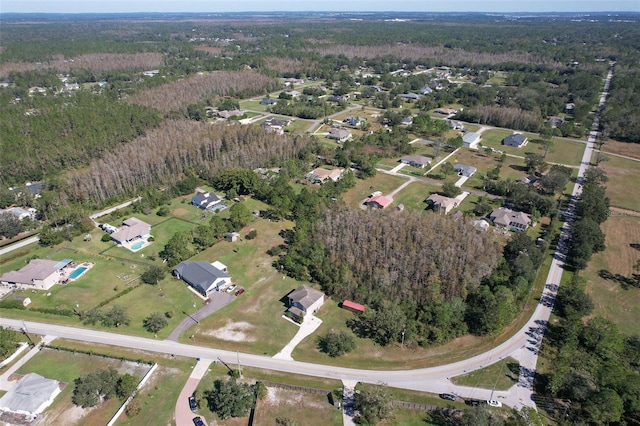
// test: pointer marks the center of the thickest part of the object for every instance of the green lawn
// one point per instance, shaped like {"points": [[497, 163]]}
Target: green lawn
{"points": [[612, 300], [623, 174], [258, 311], [564, 151], [413, 195], [499, 376], [253, 105], [380, 182]]}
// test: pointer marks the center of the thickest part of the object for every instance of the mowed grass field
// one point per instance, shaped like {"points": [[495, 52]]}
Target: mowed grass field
{"points": [[611, 300], [380, 182], [564, 151], [624, 179], [251, 323]]}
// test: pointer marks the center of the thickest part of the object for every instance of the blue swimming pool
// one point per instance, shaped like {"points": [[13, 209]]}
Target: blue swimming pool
{"points": [[137, 246], [77, 272]]}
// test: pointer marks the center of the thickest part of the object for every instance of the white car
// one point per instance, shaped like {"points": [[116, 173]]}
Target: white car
{"points": [[231, 288], [494, 403]]}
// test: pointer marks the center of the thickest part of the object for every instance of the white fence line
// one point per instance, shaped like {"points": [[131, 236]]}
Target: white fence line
{"points": [[126, 403]]}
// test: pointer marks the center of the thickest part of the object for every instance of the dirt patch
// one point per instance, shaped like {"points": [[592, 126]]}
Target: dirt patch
{"points": [[68, 417], [179, 212], [276, 397], [234, 331]]}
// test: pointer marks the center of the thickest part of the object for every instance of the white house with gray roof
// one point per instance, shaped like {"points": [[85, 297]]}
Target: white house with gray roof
{"points": [[30, 396], [203, 276], [304, 300], [464, 170]]}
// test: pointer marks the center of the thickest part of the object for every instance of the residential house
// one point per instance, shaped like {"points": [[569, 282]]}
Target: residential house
{"points": [[464, 170], [516, 140], [455, 125], [150, 73], [20, 213], [353, 306], [275, 124], [38, 274], [232, 236], [206, 200], [416, 160], [304, 301], [336, 99], [446, 111], [407, 121], [378, 202], [353, 121], [510, 219], [426, 90], [555, 122], [441, 204], [30, 396], [411, 96], [132, 229], [228, 114], [71, 86], [320, 175], [36, 89], [570, 106], [293, 93], [471, 139], [340, 135], [268, 101], [203, 276]]}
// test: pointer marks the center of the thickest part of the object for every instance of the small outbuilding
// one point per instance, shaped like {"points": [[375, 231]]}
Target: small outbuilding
{"points": [[353, 306], [232, 236]]}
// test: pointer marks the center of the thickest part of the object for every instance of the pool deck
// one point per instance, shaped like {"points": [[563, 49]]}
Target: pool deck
{"points": [[67, 275]]}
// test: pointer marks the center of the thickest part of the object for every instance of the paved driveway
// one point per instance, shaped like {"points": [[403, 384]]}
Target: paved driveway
{"points": [[217, 301], [184, 415]]}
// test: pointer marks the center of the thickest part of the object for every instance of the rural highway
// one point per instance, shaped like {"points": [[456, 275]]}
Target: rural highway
{"points": [[523, 346]]}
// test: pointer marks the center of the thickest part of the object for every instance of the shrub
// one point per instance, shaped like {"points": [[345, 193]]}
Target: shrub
{"points": [[105, 238]]}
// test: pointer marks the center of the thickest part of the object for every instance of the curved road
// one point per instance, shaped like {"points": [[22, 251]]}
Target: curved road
{"points": [[523, 346]]}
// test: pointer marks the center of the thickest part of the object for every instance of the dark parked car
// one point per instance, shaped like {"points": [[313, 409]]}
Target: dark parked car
{"points": [[449, 396], [193, 404], [474, 402], [239, 292], [197, 421]]}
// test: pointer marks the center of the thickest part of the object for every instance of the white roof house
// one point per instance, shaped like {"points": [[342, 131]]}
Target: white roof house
{"points": [[31, 395], [471, 139]]}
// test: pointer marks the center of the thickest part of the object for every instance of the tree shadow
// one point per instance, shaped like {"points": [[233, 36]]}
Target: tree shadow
{"points": [[625, 282], [519, 168], [635, 246]]}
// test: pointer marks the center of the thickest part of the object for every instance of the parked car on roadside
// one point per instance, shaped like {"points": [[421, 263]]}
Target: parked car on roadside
{"points": [[197, 421], [239, 292], [494, 403], [449, 396]]}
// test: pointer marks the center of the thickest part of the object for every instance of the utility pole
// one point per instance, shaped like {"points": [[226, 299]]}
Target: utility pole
{"points": [[239, 369]]}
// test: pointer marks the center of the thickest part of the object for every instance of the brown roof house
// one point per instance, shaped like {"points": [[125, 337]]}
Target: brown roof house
{"points": [[441, 204], [39, 273], [304, 301], [510, 219], [131, 229], [378, 202], [320, 175]]}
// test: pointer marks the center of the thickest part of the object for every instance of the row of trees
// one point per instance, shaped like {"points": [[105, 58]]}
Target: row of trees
{"points": [[592, 209], [595, 366]]}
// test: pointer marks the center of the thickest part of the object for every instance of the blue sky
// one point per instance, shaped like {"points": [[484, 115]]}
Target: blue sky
{"points": [[76, 6]]}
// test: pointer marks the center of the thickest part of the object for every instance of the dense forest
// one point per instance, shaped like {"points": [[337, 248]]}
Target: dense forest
{"points": [[164, 154]]}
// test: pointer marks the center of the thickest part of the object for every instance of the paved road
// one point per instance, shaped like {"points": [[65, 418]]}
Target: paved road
{"points": [[17, 245], [523, 346]]}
